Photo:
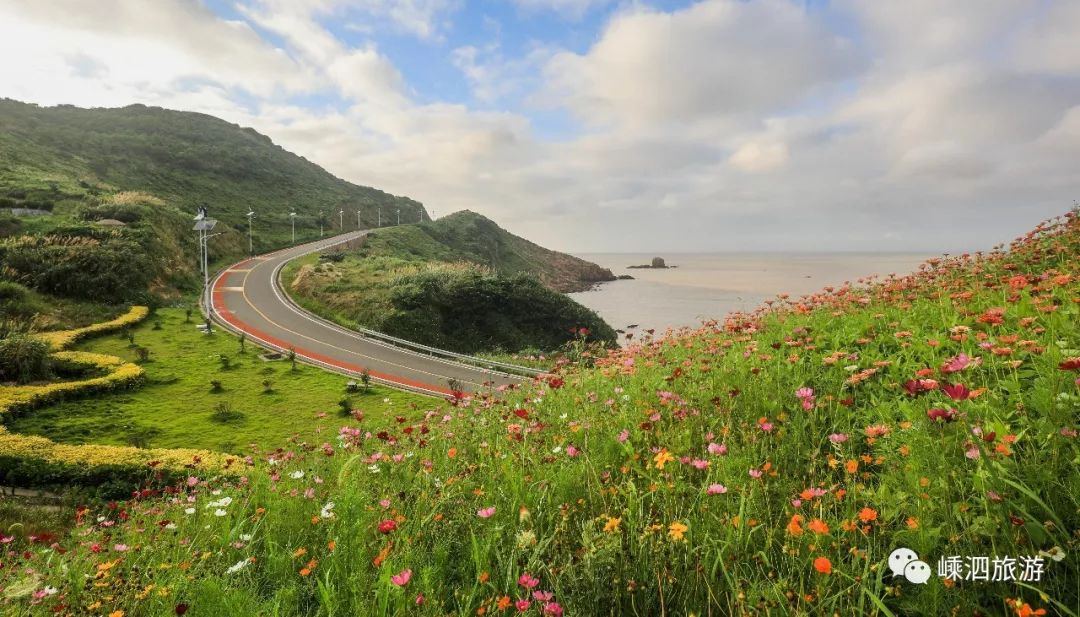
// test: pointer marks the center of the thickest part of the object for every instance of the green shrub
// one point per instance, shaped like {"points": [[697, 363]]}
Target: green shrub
{"points": [[24, 358]]}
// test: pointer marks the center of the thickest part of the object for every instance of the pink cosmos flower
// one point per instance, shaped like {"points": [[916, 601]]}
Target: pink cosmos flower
{"points": [[542, 596], [528, 581], [700, 464], [522, 605], [804, 393], [838, 438], [571, 451], [959, 363], [553, 608], [973, 453], [766, 426], [120, 548], [755, 473], [623, 436], [716, 489], [401, 578], [420, 599], [486, 512], [717, 449]]}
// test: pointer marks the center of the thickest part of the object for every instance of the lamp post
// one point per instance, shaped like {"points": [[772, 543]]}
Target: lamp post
{"points": [[380, 216], [203, 225], [320, 223], [341, 219], [251, 249], [358, 220], [292, 217], [399, 216]]}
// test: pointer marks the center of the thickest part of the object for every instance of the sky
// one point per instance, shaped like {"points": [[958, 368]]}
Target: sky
{"points": [[621, 126]]}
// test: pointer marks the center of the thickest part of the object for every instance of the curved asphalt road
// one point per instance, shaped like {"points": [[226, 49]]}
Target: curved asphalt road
{"points": [[247, 298]]}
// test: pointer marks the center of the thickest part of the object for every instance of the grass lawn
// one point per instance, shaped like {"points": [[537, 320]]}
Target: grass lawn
{"points": [[175, 408]]}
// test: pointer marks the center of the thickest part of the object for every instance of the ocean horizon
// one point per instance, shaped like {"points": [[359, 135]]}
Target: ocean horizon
{"points": [[701, 286]]}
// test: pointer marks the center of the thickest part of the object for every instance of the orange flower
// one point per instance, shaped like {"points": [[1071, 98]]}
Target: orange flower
{"points": [[452, 452], [851, 466], [912, 522], [823, 565], [331, 545], [663, 457], [676, 530], [794, 527], [484, 576], [867, 514], [300, 552], [818, 526], [504, 603]]}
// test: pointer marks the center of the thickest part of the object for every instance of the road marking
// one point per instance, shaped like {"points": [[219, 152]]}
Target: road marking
{"points": [[243, 291]]}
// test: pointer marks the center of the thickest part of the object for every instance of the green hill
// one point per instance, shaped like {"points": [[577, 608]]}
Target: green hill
{"points": [[468, 236], [150, 169]]}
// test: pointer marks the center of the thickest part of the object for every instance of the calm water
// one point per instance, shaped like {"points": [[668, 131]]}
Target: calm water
{"points": [[710, 285]]}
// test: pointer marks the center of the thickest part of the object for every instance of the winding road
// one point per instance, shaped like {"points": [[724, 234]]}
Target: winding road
{"points": [[246, 297]]}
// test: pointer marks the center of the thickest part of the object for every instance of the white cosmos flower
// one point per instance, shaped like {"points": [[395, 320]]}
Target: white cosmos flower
{"points": [[296, 475], [240, 565], [189, 510], [220, 512], [246, 537], [327, 510]]}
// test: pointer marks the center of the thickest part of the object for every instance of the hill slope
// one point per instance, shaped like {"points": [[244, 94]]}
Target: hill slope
{"points": [[150, 168], [189, 159], [468, 236]]}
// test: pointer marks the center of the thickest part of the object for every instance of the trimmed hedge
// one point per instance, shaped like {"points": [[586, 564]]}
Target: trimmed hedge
{"points": [[113, 471], [66, 338]]}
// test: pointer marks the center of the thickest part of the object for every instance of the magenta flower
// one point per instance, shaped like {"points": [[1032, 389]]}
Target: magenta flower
{"points": [[571, 451], [700, 464], [522, 605], [528, 581], [716, 489], [717, 449], [804, 393], [553, 608], [486, 512], [766, 426], [401, 578]]}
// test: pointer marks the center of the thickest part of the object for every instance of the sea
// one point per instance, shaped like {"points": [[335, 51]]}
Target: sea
{"points": [[702, 286]]}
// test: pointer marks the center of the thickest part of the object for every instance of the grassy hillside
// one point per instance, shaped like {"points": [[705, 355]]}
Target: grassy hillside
{"points": [[766, 465], [186, 158], [458, 306], [150, 168], [467, 236]]}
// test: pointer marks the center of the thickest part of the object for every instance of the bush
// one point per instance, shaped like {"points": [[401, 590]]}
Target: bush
{"points": [[24, 358], [224, 413], [215, 386]]}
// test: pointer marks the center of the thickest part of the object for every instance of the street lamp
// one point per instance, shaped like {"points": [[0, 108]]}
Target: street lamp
{"points": [[320, 223], [251, 250], [357, 219], [399, 216], [380, 216], [203, 225], [341, 219], [292, 217]]}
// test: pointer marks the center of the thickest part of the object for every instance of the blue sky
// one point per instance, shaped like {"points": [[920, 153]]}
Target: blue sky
{"points": [[619, 125]]}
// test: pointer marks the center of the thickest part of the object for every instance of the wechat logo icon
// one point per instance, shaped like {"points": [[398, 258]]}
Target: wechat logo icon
{"points": [[906, 563]]}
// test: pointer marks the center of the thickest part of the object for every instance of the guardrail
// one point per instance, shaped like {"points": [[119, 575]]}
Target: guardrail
{"points": [[380, 337]]}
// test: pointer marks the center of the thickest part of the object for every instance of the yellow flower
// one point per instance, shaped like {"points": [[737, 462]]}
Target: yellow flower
{"points": [[677, 530], [662, 458], [612, 525]]}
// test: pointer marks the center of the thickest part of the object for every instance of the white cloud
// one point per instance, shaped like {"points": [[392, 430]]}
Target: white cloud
{"points": [[716, 59]]}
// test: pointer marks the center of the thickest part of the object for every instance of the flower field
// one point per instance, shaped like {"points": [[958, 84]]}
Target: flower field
{"points": [[767, 464]]}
